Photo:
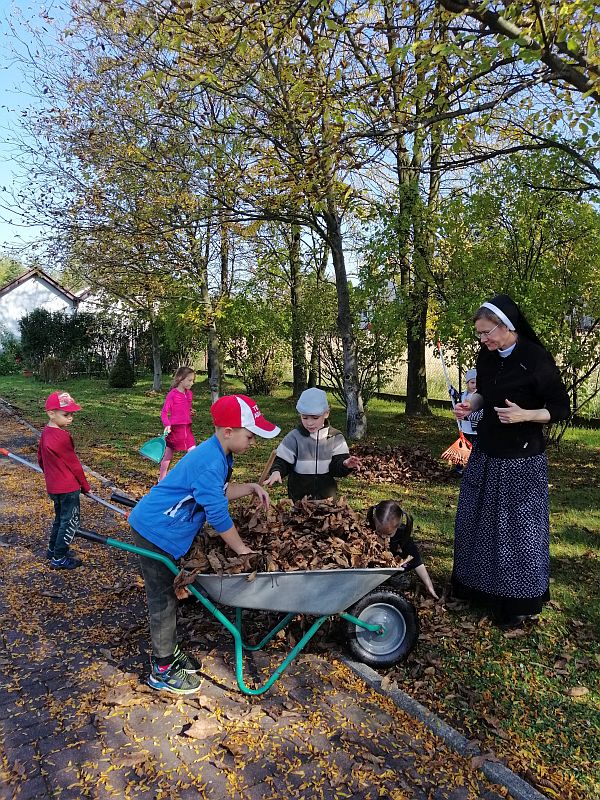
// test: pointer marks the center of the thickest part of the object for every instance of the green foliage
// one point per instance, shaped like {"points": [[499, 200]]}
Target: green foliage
{"points": [[121, 375], [10, 269], [46, 333], [519, 233], [257, 349], [11, 355], [52, 370]]}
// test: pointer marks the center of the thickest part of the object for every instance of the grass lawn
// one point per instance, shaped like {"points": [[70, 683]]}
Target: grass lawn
{"points": [[521, 694]]}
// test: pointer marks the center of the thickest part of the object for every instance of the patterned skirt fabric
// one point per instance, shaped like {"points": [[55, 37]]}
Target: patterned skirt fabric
{"points": [[501, 537]]}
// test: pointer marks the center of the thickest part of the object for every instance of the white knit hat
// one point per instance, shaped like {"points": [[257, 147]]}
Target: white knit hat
{"points": [[313, 402]]}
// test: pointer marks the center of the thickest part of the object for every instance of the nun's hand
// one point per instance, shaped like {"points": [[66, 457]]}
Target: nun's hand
{"points": [[512, 413]]}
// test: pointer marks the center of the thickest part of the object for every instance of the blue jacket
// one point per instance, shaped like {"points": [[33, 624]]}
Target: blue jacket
{"points": [[192, 493]]}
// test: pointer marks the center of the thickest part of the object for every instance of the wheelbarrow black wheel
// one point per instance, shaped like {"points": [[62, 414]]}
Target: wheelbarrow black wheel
{"points": [[400, 628]]}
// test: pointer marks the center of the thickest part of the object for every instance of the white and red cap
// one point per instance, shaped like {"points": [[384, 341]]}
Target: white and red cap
{"points": [[61, 401], [239, 411]]}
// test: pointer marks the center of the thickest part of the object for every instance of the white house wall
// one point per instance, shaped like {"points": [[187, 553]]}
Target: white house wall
{"points": [[27, 297]]}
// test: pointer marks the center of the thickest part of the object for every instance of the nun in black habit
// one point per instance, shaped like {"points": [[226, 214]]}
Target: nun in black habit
{"points": [[502, 541]]}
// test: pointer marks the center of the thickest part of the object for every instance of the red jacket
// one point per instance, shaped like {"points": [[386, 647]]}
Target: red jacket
{"points": [[62, 469]]}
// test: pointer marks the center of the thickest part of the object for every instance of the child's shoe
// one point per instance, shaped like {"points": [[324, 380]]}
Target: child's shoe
{"points": [[67, 562], [50, 553], [173, 678], [185, 662]]}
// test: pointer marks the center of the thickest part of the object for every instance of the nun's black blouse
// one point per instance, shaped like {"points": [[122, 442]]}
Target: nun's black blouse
{"points": [[528, 377]]}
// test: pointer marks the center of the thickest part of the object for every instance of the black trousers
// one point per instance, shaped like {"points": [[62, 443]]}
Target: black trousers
{"points": [[66, 522]]}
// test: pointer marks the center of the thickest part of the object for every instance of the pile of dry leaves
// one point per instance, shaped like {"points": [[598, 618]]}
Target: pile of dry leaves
{"points": [[397, 464], [312, 534]]}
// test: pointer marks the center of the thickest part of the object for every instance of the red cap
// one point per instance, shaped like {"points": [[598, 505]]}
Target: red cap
{"points": [[239, 411], [61, 401]]}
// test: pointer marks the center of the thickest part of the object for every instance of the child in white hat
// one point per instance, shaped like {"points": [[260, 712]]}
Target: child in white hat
{"points": [[314, 454], [468, 425]]}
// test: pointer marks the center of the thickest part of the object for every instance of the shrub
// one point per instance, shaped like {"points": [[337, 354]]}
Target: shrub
{"points": [[121, 375], [11, 355], [52, 370]]}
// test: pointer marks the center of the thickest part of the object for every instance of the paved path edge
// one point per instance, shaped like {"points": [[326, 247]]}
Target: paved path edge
{"points": [[495, 772]]}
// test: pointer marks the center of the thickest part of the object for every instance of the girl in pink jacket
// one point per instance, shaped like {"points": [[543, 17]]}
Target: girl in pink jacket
{"points": [[177, 416]]}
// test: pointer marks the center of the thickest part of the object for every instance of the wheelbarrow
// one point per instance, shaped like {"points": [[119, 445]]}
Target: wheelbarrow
{"points": [[381, 625]]}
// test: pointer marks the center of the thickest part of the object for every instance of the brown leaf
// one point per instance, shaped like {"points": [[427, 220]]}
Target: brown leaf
{"points": [[203, 728], [478, 761], [123, 696], [207, 702], [577, 691], [235, 746], [131, 759]]}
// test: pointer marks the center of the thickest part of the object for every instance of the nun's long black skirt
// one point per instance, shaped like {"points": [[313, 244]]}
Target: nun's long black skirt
{"points": [[502, 536]]}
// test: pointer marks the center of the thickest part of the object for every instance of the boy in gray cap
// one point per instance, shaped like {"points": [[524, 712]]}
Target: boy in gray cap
{"points": [[314, 454]]}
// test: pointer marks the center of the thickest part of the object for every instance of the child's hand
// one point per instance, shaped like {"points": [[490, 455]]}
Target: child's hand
{"points": [[246, 551], [352, 462], [274, 477], [167, 430], [462, 410], [431, 591], [263, 497]]}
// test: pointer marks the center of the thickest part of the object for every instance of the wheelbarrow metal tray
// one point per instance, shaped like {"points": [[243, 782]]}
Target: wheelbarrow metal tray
{"points": [[318, 592]]}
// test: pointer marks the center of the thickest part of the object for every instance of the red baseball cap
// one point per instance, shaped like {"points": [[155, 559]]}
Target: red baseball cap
{"points": [[239, 411], [61, 401]]}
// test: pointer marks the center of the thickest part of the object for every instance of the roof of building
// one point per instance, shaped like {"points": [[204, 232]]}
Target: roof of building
{"points": [[43, 276]]}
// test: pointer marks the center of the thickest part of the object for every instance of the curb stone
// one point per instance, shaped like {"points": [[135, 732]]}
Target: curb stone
{"points": [[495, 772]]}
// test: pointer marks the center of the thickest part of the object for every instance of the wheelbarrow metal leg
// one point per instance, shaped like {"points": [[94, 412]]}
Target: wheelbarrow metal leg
{"points": [[284, 664], [254, 647]]}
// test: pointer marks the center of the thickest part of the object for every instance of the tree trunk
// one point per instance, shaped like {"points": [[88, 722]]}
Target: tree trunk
{"points": [[157, 367], [214, 364], [298, 339], [313, 372], [213, 356], [416, 382], [356, 421]]}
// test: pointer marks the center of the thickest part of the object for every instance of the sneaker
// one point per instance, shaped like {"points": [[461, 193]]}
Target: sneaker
{"points": [[50, 553], [68, 562], [173, 679], [185, 662]]}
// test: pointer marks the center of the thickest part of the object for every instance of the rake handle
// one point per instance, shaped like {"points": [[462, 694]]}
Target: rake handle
{"points": [[267, 468]]}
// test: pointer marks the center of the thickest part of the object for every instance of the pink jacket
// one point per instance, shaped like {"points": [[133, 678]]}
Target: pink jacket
{"points": [[177, 408]]}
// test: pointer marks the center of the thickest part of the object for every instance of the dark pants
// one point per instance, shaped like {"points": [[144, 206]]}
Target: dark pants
{"points": [[66, 522], [162, 603]]}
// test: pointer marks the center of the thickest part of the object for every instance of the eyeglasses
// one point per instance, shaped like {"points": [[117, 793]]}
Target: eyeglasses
{"points": [[487, 334]]}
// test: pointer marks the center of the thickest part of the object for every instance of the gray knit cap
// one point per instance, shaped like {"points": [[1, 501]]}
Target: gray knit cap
{"points": [[312, 401], [470, 375]]}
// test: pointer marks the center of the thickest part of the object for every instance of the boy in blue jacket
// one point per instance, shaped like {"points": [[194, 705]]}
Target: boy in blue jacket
{"points": [[170, 516]]}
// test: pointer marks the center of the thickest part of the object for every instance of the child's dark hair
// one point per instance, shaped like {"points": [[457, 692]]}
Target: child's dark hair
{"points": [[181, 374], [391, 510]]}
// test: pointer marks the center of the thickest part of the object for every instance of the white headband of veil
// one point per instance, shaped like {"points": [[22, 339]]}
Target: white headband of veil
{"points": [[500, 314]]}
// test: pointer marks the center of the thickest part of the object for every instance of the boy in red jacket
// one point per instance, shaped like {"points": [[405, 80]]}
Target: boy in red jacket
{"points": [[64, 478]]}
